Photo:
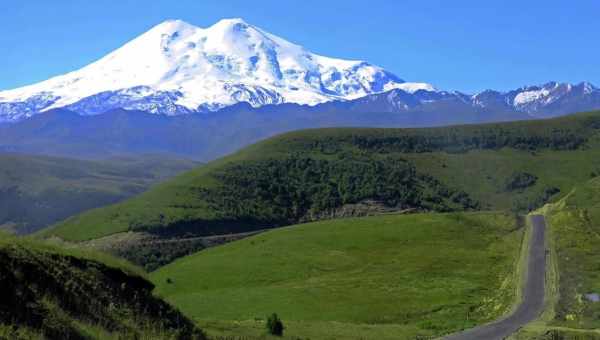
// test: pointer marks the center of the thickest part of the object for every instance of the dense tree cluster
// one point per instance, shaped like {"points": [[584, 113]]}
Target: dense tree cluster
{"points": [[288, 190], [152, 255], [525, 205], [520, 181]]}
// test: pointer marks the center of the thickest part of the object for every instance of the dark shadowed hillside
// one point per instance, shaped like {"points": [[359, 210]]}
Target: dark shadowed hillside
{"points": [[49, 293]]}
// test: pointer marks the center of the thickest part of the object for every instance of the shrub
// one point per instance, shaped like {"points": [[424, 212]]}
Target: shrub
{"points": [[274, 325], [520, 181]]}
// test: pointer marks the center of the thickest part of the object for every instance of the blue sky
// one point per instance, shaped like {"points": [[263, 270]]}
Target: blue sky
{"points": [[462, 45]]}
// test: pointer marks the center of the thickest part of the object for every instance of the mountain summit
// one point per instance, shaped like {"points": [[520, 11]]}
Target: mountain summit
{"points": [[177, 68]]}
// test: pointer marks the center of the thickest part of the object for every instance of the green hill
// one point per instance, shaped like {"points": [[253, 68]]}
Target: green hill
{"points": [[316, 174], [381, 277], [36, 191], [51, 293]]}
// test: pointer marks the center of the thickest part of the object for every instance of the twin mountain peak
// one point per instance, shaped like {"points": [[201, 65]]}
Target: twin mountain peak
{"points": [[177, 68]]}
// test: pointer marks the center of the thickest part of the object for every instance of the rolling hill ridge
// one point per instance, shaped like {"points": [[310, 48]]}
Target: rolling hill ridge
{"points": [[315, 174]]}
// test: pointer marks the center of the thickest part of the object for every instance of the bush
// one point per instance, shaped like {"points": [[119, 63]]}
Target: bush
{"points": [[520, 181], [274, 325], [529, 204]]}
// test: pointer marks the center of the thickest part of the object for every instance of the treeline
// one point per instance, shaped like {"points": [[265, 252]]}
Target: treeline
{"points": [[288, 190], [153, 255], [565, 133], [528, 204], [454, 140]]}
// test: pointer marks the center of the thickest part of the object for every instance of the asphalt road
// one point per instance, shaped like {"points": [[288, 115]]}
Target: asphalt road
{"points": [[533, 293]]}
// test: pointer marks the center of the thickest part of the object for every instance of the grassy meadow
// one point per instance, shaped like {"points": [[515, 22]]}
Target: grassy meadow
{"points": [[385, 277]]}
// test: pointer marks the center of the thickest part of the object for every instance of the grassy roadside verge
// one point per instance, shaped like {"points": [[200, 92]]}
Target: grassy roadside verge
{"points": [[552, 323]]}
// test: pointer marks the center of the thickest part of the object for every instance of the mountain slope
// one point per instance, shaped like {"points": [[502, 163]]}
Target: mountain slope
{"points": [[178, 68], [317, 174], [37, 191], [51, 293]]}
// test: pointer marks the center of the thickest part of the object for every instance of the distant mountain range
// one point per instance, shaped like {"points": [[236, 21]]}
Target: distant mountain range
{"points": [[204, 92]]}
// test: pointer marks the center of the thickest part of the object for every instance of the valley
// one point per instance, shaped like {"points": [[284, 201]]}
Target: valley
{"points": [[376, 207], [366, 233], [37, 191]]}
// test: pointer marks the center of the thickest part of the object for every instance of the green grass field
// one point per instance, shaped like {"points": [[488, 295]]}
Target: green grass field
{"points": [[483, 173], [385, 277], [476, 159]]}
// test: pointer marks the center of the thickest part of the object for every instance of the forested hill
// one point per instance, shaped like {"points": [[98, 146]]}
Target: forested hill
{"points": [[323, 173]]}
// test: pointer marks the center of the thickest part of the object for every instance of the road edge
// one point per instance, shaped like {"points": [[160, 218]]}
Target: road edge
{"points": [[519, 276]]}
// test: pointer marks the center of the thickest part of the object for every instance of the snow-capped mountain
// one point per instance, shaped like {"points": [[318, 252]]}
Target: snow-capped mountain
{"points": [[547, 100], [177, 68], [540, 101]]}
